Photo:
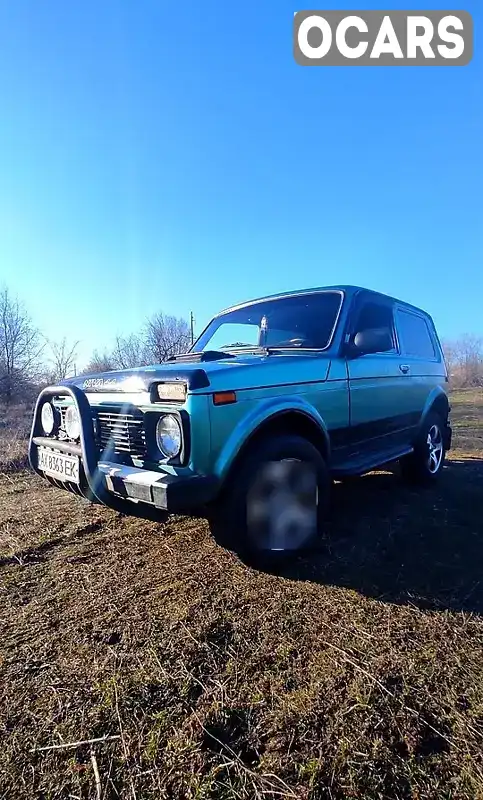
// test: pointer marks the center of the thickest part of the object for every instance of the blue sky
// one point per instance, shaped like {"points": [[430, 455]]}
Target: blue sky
{"points": [[172, 156]]}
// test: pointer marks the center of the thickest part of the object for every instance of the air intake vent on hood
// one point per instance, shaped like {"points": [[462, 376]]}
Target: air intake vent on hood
{"points": [[196, 358]]}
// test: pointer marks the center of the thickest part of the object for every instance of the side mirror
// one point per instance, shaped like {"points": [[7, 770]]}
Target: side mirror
{"points": [[373, 340]]}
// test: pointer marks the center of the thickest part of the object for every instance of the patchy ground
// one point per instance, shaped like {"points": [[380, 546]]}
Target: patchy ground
{"points": [[357, 674]]}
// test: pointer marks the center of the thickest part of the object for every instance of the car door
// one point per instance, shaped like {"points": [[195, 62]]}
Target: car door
{"points": [[380, 404]]}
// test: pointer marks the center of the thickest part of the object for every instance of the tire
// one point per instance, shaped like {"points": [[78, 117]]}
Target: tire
{"points": [[276, 501], [425, 464]]}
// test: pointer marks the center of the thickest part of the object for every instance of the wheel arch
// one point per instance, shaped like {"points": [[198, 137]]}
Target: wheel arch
{"points": [[438, 402], [290, 420]]}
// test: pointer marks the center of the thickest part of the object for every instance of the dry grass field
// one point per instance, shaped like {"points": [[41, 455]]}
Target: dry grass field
{"points": [[357, 673]]}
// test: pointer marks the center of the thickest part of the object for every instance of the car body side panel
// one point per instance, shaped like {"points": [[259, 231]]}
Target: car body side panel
{"points": [[333, 405], [331, 399], [322, 395], [426, 378], [228, 438], [380, 413], [200, 462], [382, 409], [435, 396], [422, 387]]}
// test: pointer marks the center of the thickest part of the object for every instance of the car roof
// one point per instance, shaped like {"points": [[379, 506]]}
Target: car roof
{"points": [[347, 289]]}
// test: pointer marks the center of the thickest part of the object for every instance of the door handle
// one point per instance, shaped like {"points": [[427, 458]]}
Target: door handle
{"points": [[404, 368]]}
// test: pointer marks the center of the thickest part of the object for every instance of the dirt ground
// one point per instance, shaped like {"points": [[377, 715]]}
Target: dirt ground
{"points": [[355, 673]]}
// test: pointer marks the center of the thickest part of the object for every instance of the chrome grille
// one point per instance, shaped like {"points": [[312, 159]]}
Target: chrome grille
{"points": [[123, 433]]}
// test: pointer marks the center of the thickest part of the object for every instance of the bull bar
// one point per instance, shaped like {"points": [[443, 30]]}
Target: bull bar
{"points": [[166, 492]]}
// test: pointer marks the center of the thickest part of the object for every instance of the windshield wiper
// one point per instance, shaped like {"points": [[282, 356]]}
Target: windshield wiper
{"points": [[236, 345], [257, 348], [205, 355]]}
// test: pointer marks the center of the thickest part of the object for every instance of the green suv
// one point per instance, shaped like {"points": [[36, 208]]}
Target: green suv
{"points": [[276, 398]]}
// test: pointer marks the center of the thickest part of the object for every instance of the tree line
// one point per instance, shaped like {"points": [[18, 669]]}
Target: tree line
{"points": [[28, 359], [464, 360]]}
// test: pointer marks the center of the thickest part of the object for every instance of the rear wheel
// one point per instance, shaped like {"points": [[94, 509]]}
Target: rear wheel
{"points": [[277, 499], [425, 464]]}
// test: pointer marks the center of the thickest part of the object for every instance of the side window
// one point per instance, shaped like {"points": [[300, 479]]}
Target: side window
{"points": [[375, 316], [415, 336]]}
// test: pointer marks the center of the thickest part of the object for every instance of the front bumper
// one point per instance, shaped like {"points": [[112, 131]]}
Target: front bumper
{"points": [[117, 486]]}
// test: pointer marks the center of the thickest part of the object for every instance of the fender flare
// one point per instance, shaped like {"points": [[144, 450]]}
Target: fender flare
{"points": [[437, 397], [251, 424]]}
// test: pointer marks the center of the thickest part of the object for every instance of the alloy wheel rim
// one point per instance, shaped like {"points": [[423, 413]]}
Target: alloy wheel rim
{"points": [[435, 449]]}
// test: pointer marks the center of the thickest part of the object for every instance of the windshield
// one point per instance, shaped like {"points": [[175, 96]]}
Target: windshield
{"points": [[297, 322]]}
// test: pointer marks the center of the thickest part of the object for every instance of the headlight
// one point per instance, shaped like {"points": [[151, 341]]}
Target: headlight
{"points": [[47, 419], [168, 436], [72, 423]]}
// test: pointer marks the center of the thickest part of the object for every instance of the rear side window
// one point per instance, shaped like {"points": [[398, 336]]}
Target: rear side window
{"points": [[415, 337]]}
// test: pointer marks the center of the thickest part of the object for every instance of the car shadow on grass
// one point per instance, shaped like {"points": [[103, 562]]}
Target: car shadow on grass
{"points": [[405, 545]]}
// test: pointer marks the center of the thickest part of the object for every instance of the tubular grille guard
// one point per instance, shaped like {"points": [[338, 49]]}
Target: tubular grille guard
{"points": [[95, 479]]}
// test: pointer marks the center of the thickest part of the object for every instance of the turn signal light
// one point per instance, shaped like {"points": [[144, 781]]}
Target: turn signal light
{"points": [[224, 398]]}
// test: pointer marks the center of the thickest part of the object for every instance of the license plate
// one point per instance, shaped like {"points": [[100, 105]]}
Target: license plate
{"points": [[66, 468]]}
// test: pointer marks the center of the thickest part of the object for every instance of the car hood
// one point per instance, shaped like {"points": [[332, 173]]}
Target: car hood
{"points": [[230, 372]]}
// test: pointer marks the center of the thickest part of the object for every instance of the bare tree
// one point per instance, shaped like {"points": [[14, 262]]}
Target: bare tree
{"points": [[450, 357], [100, 362], [469, 350], [129, 352], [161, 337], [165, 336], [21, 347], [464, 357], [62, 359]]}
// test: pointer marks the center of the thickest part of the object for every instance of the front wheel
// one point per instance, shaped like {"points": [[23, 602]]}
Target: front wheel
{"points": [[425, 464], [277, 499]]}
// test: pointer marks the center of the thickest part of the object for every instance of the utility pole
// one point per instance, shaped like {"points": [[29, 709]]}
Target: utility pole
{"points": [[192, 327]]}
